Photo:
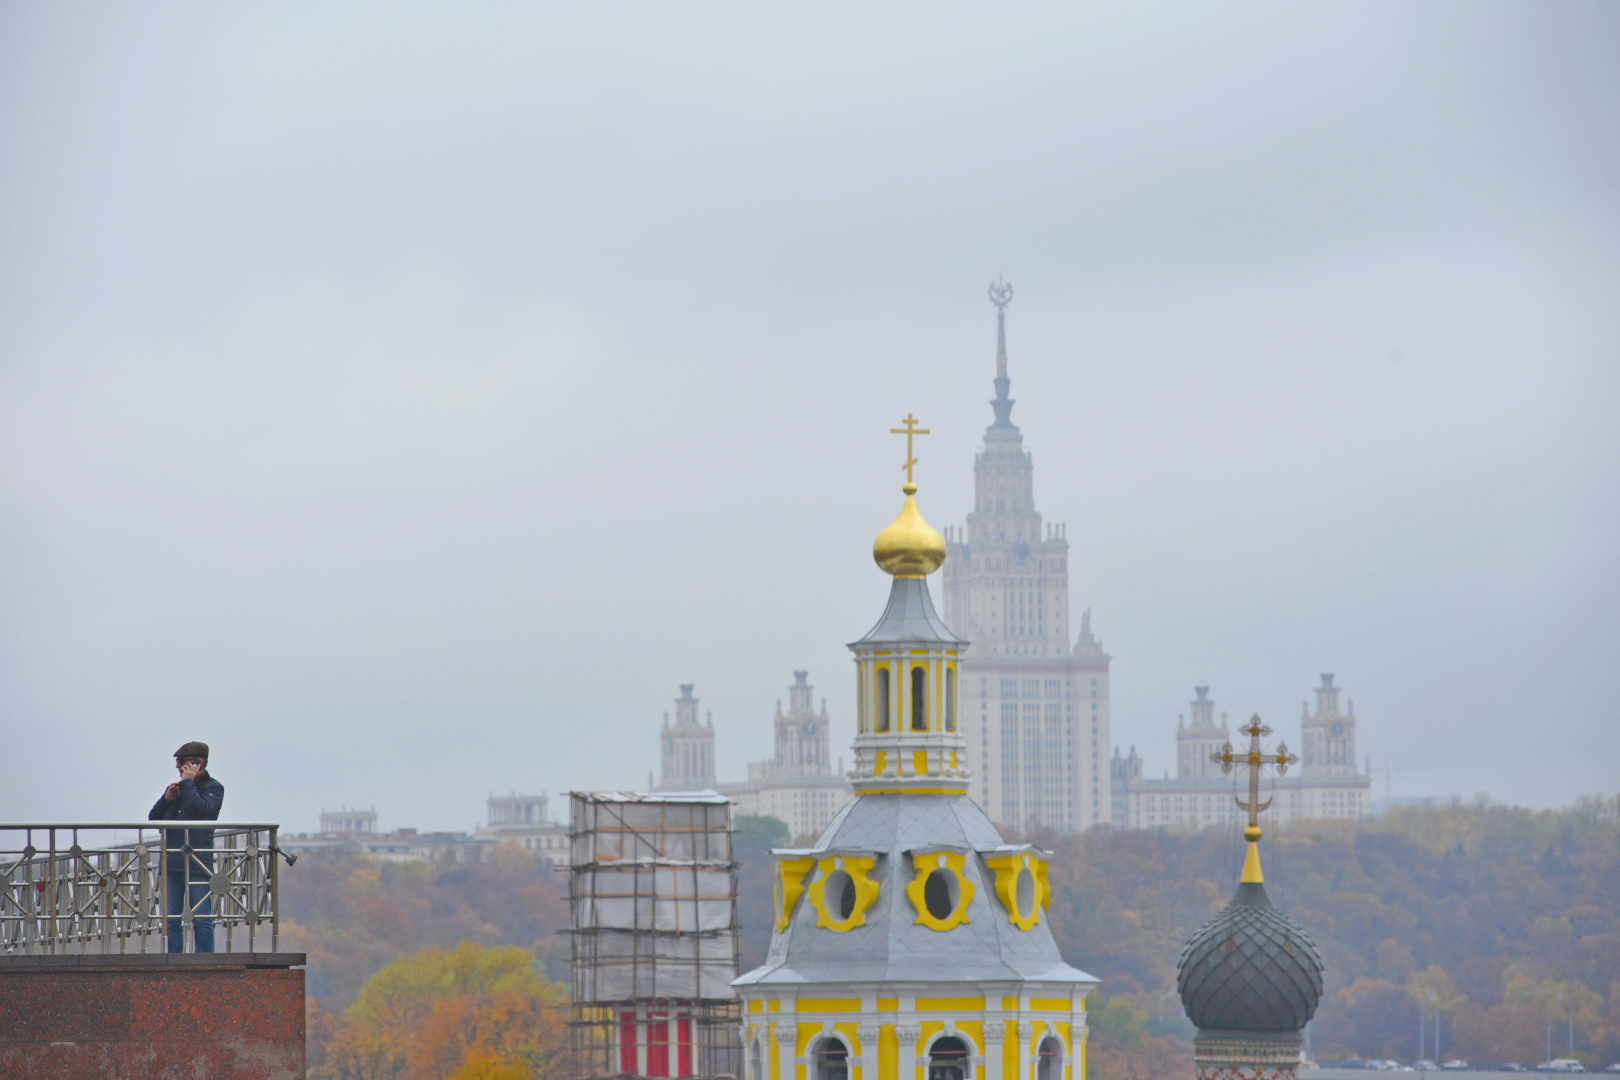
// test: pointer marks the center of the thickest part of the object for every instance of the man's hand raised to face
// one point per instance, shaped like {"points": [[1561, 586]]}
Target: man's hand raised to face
{"points": [[189, 769]]}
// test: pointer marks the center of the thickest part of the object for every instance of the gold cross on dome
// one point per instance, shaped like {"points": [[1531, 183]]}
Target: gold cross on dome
{"points": [[909, 431], [1255, 760]]}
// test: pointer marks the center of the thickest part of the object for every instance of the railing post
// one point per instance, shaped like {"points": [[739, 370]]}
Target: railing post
{"points": [[51, 889], [275, 891]]}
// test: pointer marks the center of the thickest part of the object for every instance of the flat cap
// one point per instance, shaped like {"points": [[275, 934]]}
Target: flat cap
{"points": [[193, 749]]}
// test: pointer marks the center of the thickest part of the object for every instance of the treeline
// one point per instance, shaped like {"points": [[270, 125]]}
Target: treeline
{"points": [[352, 915], [1491, 918]]}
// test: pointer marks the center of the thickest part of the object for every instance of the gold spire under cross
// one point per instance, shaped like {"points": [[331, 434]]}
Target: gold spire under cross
{"points": [[1255, 760], [910, 431]]}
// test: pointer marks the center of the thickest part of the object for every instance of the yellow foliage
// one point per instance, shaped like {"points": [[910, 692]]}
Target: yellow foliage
{"points": [[367, 877], [481, 1065], [467, 1013], [1433, 989], [1584, 1004], [415, 982]]}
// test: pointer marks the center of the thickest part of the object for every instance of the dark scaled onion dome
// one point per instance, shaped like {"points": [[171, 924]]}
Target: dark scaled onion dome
{"points": [[1250, 968]]}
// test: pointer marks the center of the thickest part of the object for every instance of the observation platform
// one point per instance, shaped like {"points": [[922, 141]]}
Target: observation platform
{"points": [[88, 911]]}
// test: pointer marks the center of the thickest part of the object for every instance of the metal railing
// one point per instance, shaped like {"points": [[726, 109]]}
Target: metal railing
{"points": [[117, 887]]}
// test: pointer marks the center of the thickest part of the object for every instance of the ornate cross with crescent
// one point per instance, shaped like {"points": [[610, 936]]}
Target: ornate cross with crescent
{"points": [[1255, 760]]}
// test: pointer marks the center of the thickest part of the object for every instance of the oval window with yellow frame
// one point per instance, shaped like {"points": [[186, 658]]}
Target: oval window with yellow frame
{"points": [[940, 889]]}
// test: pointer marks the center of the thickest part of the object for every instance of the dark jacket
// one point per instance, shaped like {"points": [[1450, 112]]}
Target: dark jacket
{"points": [[199, 800]]}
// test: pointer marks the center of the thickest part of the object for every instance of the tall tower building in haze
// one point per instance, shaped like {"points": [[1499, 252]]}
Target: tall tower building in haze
{"points": [[1326, 785], [1329, 737], [1034, 705], [1197, 743], [688, 747], [798, 785]]}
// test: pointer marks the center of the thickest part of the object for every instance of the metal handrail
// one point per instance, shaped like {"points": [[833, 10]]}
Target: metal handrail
{"points": [[144, 823], [63, 896]]}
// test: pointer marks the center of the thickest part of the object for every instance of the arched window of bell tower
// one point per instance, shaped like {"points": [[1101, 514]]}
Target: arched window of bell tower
{"points": [[831, 1058], [1049, 1060], [883, 698], [948, 1059], [919, 698]]}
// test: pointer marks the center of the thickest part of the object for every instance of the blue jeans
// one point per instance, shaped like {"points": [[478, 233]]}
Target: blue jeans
{"points": [[202, 904]]}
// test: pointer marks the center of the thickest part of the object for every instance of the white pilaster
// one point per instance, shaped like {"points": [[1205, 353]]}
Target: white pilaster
{"points": [[1026, 1048], [869, 1035], [909, 1034], [995, 1043], [787, 1048]]}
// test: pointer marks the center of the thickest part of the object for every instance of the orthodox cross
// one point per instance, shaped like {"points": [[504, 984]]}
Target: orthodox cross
{"points": [[1255, 760], [909, 431]]}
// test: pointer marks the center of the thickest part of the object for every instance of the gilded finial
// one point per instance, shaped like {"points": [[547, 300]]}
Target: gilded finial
{"points": [[909, 547]]}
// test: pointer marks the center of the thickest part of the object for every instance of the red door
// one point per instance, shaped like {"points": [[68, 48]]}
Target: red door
{"points": [[627, 1043], [657, 1044]]}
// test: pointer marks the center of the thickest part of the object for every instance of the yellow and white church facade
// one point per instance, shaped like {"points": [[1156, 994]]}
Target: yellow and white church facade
{"points": [[911, 942]]}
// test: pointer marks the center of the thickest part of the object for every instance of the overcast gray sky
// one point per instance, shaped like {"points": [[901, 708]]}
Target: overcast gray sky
{"points": [[405, 399]]}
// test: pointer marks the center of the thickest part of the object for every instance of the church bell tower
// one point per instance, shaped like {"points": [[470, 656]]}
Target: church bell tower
{"points": [[911, 940]]}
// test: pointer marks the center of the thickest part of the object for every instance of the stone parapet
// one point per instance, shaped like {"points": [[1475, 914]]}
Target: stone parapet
{"points": [[153, 1016]]}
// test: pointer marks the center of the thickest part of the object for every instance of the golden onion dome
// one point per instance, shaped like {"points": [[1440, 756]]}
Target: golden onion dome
{"points": [[909, 547]]}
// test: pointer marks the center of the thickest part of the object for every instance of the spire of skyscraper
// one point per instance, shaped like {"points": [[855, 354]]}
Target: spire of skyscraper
{"points": [[1028, 687], [1001, 294]]}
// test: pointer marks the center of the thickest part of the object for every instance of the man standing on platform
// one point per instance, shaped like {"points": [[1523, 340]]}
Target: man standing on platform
{"points": [[196, 796]]}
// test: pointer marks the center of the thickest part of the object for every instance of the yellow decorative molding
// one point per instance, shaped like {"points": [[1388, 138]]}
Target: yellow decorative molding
{"points": [[951, 1004], [829, 1005], [866, 891], [1009, 870], [952, 862], [788, 887]]}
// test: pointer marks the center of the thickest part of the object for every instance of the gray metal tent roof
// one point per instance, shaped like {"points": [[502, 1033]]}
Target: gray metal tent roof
{"points": [[910, 616]]}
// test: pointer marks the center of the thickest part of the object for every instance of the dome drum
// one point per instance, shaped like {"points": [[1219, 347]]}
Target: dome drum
{"points": [[1247, 1055]]}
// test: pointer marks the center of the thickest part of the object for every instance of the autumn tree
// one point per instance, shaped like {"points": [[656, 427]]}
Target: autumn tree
{"points": [[468, 1012]]}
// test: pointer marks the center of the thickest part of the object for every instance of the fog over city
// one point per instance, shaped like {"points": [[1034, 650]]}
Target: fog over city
{"points": [[406, 399]]}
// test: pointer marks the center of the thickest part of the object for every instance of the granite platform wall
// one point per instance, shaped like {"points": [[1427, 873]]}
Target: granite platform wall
{"points": [[153, 1017]]}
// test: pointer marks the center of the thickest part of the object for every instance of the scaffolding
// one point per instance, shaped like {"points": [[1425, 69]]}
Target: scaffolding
{"points": [[653, 899]]}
